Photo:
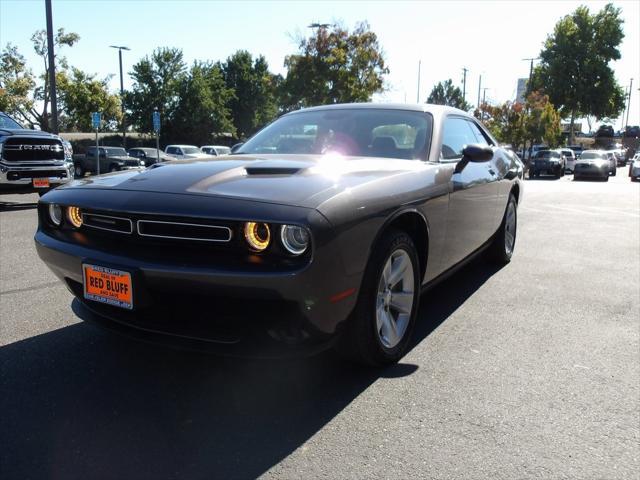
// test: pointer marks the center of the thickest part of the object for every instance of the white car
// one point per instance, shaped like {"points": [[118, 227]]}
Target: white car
{"points": [[184, 152], [570, 156], [634, 168], [215, 150]]}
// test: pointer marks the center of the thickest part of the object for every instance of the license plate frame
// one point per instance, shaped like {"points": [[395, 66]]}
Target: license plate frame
{"points": [[40, 182], [107, 285]]}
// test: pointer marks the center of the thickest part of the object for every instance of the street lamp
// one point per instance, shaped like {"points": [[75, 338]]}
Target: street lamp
{"points": [[124, 142]]}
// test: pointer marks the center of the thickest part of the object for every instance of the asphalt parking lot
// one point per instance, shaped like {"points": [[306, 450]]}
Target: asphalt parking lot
{"points": [[529, 371]]}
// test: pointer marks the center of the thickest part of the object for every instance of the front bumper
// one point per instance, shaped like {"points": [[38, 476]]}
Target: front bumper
{"points": [[591, 171], [216, 306], [19, 179]]}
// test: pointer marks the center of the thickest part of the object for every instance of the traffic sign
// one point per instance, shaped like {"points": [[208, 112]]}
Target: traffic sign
{"points": [[95, 120], [156, 121]]}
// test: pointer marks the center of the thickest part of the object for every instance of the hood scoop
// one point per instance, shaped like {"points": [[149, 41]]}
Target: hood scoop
{"points": [[271, 170], [275, 167]]}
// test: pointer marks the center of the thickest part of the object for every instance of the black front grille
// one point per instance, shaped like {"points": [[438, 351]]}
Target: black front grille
{"points": [[184, 231], [37, 174], [25, 149], [108, 222]]}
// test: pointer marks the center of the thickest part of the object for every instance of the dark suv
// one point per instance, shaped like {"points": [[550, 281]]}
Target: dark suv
{"points": [[112, 159], [549, 162]]}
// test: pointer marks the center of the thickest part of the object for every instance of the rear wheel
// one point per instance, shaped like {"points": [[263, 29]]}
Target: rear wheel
{"points": [[504, 241], [78, 171], [379, 329]]}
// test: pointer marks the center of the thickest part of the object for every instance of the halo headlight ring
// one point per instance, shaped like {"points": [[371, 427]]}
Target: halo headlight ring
{"points": [[295, 239], [257, 235]]}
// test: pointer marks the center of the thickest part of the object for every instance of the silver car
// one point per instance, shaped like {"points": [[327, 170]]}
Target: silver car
{"points": [[634, 168], [593, 164]]}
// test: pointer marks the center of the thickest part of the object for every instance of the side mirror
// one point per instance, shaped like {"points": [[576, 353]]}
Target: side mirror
{"points": [[474, 153]]}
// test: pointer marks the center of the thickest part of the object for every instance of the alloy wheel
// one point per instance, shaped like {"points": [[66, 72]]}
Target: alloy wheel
{"points": [[510, 228], [395, 297]]}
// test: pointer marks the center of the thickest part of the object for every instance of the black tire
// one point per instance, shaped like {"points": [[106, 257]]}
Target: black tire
{"points": [[558, 173], [113, 168], [361, 340], [78, 171], [615, 172], [606, 179], [498, 251]]}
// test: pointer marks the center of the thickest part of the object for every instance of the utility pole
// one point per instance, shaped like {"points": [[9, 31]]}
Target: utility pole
{"points": [[124, 139], [484, 102], [530, 72], [419, 69], [464, 83], [479, 88], [629, 102], [52, 69]]}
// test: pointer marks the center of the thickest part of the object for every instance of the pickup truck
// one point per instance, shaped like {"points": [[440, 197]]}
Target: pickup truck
{"points": [[112, 159], [31, 160]]}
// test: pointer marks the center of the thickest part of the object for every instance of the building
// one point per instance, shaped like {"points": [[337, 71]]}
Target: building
{"points": [[521, 91]]}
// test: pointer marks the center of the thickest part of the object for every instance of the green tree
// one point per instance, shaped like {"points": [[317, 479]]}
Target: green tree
{"points": [[506, 122], [444, 93], [24, 94], [254, 94], [157, 80], [82, 93], [334, 66], [542, 120], [202, 112], [574, 69]]}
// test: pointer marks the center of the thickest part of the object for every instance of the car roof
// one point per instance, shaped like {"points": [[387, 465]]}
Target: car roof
{"points": [[181, 145]]}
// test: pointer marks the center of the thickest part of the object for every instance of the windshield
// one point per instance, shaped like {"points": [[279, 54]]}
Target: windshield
{"points": [[190, 150], [117, 151], [591, 156], [547, 154], [347, 131], [8, 122]]}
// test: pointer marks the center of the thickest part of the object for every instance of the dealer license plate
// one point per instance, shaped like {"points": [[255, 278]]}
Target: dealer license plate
{"points": [[41, 182], [107, 285]]}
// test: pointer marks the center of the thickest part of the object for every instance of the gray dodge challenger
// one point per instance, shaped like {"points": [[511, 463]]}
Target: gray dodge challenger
{"points": [[321, 230]]}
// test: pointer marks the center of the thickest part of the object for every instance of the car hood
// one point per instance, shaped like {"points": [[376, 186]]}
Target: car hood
{"points": [[296, 180], [27, 133]]}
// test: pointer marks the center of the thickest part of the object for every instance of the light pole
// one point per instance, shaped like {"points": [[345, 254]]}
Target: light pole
{"points": [[124, 141], [52, 68], [530, 72], [464, 83]]}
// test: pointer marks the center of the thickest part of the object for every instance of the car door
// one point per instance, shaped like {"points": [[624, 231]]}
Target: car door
{"points": [[473, 194]]}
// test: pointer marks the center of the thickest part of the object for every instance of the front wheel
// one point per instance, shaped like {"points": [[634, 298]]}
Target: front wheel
{"points": [[615, 172], [504, 241], [379, 329]]}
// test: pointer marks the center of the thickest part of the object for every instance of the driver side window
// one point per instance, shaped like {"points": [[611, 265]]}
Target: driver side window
{"points": [[457, 135]]}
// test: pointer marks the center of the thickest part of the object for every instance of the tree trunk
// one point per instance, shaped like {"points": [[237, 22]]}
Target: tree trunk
{"points": [[571, 136]]}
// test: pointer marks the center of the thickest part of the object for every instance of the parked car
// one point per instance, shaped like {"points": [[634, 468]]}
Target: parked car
{"points": [[550, 162], [327, 240], [570, 159], [632, 131], [215, 150], [149, 155], [112, 159], [605, 131], [577, 150], [634, 168], [30, 160], [613, 161], [183, 152], [592, 164]]}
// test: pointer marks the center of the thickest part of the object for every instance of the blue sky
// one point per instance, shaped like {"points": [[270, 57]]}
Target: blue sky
{"points": [[489, 38]]}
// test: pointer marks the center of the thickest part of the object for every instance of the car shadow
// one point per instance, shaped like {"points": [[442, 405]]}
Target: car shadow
{"points": [[82, 403], [15, 206]]}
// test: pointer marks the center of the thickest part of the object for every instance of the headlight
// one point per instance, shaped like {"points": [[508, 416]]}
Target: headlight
{"points": [[257, 235], [55, 214], [142, 164], [74, 215], [295, 239]]}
